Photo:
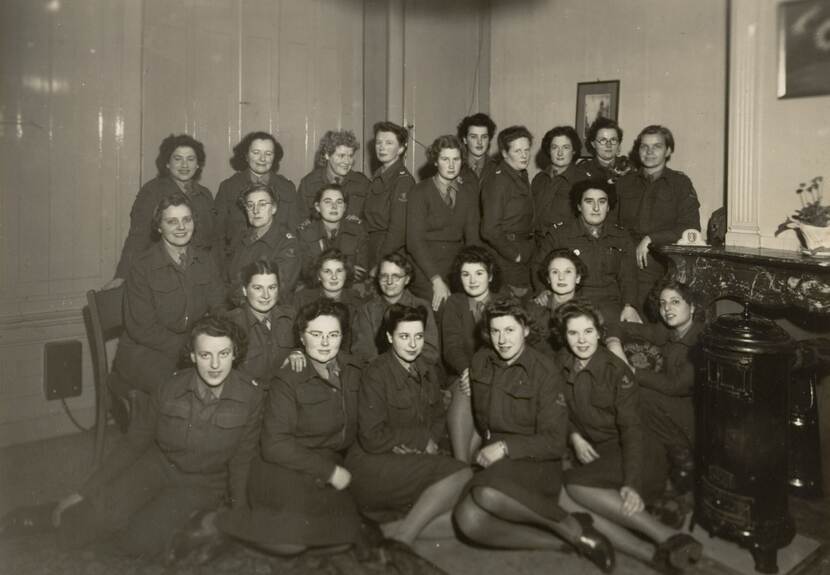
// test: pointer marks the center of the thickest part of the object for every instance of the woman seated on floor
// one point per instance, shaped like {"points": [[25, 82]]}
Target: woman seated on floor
{"points": [[189, 450], [666, 393], [268, 324], [299, 496], [399, 473], [521, 415], [476, 280], [168, 288], [611, 478]]}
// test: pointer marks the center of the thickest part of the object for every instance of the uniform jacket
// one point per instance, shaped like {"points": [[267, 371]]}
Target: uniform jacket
{"points": [[162, 302], [355, 188], [521, 404], [306, 416], [140, 236], [231, 218], [430, 220], [217, 437], [460, 333], [351, 239], [551, 197], [596, 171], [399, 407], [267, 348], [507, 213], [368, 338], [491, 164], [277, 245], [612, 268], [661, 209], [603, 401], [385, 209]]}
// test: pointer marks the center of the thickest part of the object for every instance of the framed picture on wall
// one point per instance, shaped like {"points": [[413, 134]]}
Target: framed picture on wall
{"points": [[803, 48], [594, 99]]}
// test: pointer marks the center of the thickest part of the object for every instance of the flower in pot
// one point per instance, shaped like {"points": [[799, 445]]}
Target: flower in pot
{"points": [[812, 220]]}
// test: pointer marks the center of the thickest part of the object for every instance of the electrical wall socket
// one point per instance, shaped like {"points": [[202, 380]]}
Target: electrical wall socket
{"points": [[62, 369]]}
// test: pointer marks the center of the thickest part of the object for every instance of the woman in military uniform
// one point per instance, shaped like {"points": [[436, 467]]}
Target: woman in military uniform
{"points": [[299, 491], [169, 287], [385, 207], [329, 227], [266, 239], [256, 159], [611, 478], [521, 415], [189, 450], [551, 187], [266, 321], [335, 160], [399, 475]]}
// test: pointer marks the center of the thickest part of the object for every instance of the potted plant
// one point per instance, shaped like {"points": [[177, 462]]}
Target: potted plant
{"points": [[812, 220]]}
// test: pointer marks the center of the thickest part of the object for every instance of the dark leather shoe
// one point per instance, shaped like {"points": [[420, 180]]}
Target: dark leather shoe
{"points": [[593, 545], [198, 542], [678, 552], [30, 520]]}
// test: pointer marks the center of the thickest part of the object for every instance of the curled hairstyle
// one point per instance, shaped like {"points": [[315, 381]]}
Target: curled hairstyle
{"points": [[317, 308], [578, 307], [239, 160], [475, 255], [258, 267], [174, 199], [399, 260], [511, 134], [398, 313], [578, 190], [243, 195], [653, 298], [566, 131], [315, 215], [401, 133], [331, 140], [654, 129], [217, 326], [602, 123], [328, 255], [168, 146], [566, 254], [504, 306], [479, 120], [444, 143]]}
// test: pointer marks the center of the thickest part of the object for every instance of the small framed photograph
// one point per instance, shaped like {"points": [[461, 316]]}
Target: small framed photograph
{"points": [[803, 48], [595, 99]]}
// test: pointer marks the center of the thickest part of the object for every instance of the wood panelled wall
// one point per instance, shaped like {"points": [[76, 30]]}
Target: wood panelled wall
{"points": [[89, 88]]}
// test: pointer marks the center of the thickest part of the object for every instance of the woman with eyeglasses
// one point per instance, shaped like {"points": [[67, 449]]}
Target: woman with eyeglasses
{"points": [[329, 228], [604, 141], [256, 159], [299, 490], [170, 286], [551, 187], [267, 322], [265, 239], [399, 473], [335, 163]]}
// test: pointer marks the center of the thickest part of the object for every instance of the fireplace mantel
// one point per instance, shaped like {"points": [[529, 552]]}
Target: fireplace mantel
{"points": [[754, 275]]}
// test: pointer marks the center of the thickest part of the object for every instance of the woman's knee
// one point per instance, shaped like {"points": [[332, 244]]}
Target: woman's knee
{"points": [[469, 517]]}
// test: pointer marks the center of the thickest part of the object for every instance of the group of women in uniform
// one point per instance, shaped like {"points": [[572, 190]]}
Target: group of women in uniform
{"points": [[418, 355]]}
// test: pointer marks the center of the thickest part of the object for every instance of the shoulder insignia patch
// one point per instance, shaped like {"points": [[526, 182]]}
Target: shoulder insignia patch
{"points": [[402, 173], [627, 381], [354, 218], [498, 171]]}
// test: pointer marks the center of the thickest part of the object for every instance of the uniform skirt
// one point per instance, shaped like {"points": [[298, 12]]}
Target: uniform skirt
{"points": [[534, 484], [607, 471], [288, 507], [392, 483]]}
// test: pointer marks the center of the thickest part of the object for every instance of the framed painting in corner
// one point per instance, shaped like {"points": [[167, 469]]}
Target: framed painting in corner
{"points": [[594, 99], [803, 48]]}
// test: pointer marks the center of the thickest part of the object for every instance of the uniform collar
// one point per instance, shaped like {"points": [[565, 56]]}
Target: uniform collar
{"points": [[392, 172], [595, 365], [525, 360], [159, 257]]}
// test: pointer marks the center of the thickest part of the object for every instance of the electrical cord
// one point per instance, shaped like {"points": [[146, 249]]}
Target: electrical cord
{"points": [[71, 417]]}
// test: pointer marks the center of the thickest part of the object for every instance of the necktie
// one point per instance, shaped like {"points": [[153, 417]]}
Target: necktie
{"points": [[334, 373], [449, 198], [267, 323]]}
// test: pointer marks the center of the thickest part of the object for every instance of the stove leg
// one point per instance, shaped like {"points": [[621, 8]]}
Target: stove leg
{"points": [[766, 559]]}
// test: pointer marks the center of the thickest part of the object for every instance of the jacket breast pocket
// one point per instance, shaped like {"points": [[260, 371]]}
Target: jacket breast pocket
{"points": [[602, 397], [315, 412], [173, 425], [521, 400]]}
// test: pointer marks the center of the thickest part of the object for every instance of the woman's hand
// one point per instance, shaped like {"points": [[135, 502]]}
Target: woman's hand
{"points": [[543, 298], [642, 252], [489, 454], [405, 450], [296, 359], [632, 502], [440, 292], [63, 505], [341, 478], [614, 345], [464, 382], [585, 452], [630, 314], [359, 273]]}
